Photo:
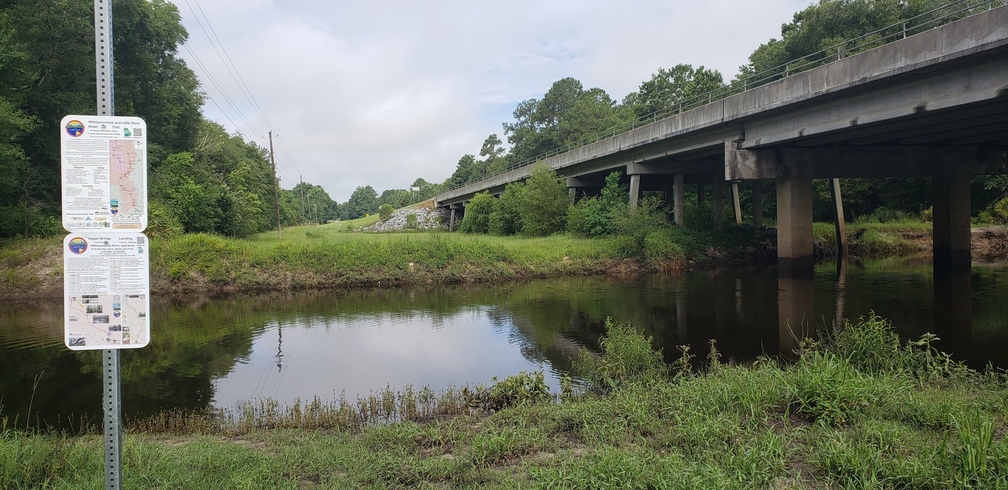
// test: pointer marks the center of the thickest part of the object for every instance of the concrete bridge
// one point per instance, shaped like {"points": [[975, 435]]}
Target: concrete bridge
{"points": [[933, 104]]}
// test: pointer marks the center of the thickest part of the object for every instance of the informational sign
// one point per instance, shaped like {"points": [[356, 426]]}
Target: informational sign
{"points": [[106, 284], [104, 163]]}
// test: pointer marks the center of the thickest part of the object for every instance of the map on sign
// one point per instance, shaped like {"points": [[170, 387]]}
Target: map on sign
{"points": [[104, 165], [107, 290]]}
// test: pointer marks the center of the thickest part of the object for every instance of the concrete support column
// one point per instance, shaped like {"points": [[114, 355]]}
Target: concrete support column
{"points": [[736, 203], [451, 220], [757, 204], [634, 191], [677, 205], [951, 228], [717, 199], [794, 223], [839, 222], [572, 191]]}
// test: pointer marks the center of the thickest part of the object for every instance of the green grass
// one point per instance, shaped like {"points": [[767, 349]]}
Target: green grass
{"points": [[860, 410], [200, 262]]}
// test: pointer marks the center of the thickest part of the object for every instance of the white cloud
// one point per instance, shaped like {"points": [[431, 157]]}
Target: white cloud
{"points": [[380, 93]]}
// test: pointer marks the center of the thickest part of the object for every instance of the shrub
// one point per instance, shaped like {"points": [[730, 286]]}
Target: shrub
{"points": [[411, 221], [544, 203], [637, 225], [477, 214], [385, 212], [627, 356], [596, 216], [513, 390], [505, 219], [161, 221]]}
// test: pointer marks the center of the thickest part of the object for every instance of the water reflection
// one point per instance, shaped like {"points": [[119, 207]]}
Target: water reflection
{"points": [[218, 353]]}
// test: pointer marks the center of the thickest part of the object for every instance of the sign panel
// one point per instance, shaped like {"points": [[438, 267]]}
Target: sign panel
{"points": [[106, 284], [104, 165]]}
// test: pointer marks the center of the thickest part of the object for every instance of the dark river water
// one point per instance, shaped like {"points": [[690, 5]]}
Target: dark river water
{"points": [[223, 352]]}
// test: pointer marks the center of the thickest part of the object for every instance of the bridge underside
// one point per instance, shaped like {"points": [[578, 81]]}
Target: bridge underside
{"points": [[931, 105]]}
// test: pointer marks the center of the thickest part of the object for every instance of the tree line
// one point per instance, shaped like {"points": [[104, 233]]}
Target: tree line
{"points": [[202, 179]]}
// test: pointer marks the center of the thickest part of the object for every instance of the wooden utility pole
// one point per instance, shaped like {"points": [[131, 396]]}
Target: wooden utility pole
{"points": [[276, 185]]}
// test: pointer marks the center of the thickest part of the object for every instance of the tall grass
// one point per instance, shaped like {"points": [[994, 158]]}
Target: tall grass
{"points": [[859, 410]]}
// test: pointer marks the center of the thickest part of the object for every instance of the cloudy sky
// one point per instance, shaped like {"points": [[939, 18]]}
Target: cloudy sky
{"points": [[382, 92]]}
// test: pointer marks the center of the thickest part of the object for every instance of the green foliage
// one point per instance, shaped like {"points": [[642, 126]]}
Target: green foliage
{"points": [[566, 115], [627, 356], [505, 219], [363, 201], [544, 203], [662, 246], [161, 221], [669, 88], [649, 217], [817, 34], [385, 212], [411, 221], [477, 214], [996, 213], [597, 216], [826, 389], [880, 243], [511, 391]]}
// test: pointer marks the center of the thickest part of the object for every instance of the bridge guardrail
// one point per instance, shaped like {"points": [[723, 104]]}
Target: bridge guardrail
{"points": [[936, 17]]}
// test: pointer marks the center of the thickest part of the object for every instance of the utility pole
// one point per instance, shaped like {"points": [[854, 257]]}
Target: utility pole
{"points": [[276, 185]]}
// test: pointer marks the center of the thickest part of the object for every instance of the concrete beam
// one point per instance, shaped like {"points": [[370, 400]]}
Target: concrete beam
{"points": [[862, 161], [674, 167]]}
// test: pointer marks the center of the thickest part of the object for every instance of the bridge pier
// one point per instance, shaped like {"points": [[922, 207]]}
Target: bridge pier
{"points": [[717, 199], [951, 223], [634, 191], [451, 220], [794, 223], [677, 201], [757, 204]]}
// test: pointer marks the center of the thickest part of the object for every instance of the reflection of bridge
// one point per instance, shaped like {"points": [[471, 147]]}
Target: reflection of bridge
{"points": [[934, 104]]}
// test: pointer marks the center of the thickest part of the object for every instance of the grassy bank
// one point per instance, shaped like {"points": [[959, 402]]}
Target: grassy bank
{"points": [[331, 256], [862, 412]]}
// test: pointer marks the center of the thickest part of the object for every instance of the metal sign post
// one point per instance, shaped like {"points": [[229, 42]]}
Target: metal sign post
{"points": [[110, 358], [106, 257]]}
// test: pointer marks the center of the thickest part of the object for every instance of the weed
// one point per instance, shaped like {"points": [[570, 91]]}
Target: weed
{"points": [[626, 356]]}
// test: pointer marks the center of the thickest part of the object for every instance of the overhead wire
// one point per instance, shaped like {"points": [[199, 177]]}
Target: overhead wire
{"points": [[232, 69]]}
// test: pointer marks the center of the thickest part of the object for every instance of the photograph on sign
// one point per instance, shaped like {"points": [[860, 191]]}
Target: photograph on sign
{"points": [[104, 167], [106, 284]]}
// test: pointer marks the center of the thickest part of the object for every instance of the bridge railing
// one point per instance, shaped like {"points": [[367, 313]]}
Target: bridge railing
{"points": [[938, 16]]}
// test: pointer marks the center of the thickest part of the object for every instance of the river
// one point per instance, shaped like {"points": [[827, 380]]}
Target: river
{"points": [[222, 352]]}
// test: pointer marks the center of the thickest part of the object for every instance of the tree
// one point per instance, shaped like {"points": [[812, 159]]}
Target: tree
{"points": [[819, 32], [494, 155], [477, 214], [544, 203], [669, 88], [505, 219], [363, 201], [566, 115], [467, 170], [193, 193], [385, 212]]}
